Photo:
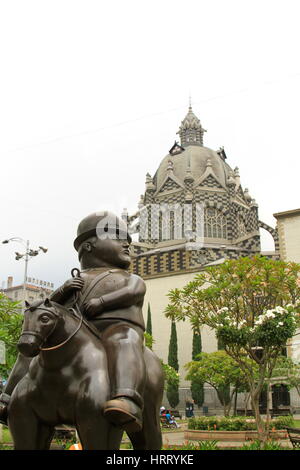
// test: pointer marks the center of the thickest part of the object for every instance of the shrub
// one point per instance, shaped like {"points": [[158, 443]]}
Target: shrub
{"points": [[269, 445], [200, 445], [234, 423]]}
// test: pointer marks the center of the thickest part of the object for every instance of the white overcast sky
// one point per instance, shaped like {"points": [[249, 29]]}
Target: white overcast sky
{"points": [[92, 94]]}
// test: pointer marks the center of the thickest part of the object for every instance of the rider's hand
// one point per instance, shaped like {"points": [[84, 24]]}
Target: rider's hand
{"points": [[93, 307], [74, 284]]}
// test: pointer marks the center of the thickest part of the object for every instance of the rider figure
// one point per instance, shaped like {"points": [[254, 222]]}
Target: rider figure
{"points": [[111, 298]]}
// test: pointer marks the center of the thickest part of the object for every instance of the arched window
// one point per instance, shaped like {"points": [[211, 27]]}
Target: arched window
{"points": [[215, 223]]}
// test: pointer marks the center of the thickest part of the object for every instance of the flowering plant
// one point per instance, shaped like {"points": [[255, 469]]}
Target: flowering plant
{"points": [[253, 305], [271, 328]]}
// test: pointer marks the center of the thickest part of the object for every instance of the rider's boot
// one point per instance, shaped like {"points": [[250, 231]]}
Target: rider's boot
{"points": [[124, 412], [4, 401]]}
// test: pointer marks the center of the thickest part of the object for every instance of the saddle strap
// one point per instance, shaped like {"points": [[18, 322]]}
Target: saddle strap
{"points": [[93, 284]]}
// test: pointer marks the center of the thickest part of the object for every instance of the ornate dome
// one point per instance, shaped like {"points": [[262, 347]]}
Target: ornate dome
{"points": [[194, 210], [192, 160]]}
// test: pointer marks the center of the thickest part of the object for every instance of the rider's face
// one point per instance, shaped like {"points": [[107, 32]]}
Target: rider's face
{"points": [[113, 252]]}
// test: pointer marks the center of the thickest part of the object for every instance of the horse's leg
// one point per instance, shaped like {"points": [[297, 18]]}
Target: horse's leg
{"points": [[95, 432], [27, 431], [24, 426], [45, 435], [150, 437], [30, 434]]}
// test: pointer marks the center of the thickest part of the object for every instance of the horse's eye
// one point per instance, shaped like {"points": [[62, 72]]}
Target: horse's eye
{"points": [[45, 319]]}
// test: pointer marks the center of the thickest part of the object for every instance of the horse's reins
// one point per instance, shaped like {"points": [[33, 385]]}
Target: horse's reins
{"points": [[57, 346], [75, 270], [66, 340]]}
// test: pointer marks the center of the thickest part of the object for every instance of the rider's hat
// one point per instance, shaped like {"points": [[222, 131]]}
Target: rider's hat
{"points": [[103, 225]]}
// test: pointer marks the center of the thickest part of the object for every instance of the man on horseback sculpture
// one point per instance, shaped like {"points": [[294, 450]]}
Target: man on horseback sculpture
{"points": [[111, 299]]}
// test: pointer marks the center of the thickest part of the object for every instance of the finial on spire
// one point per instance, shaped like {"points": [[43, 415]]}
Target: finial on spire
{"points": [[190, 102]]}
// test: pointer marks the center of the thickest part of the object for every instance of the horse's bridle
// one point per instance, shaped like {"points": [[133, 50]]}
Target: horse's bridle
{"points": [[34, 333]]}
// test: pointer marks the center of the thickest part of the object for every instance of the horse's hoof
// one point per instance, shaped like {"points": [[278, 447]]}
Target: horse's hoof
{"points": [[124, 413]]}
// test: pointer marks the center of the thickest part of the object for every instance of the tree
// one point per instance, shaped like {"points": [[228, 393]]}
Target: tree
{"points": [[197, 388], [10, 330], [149, 321], [287, 371], [171, 375], [224, 391], [220, 371], [149, 341], [252, 304], [172, 388], [173, 348]]}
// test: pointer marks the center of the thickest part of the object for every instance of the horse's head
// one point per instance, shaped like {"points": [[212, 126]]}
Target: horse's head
{"points": [[40, 321]]}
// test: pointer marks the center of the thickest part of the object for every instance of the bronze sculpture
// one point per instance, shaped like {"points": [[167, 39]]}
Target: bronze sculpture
{"points": [[111, 298]]}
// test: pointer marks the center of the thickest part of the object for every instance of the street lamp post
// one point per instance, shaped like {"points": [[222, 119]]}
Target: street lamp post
{"points": [[29, 253]]}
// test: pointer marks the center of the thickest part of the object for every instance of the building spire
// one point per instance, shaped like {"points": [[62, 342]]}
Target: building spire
{"points": [[191, 132]]}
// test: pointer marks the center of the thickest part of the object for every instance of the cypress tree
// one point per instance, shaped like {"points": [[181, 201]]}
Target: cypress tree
{"points": [[197, 389], [172, 389], [149, 321], [173, 348], [197, 345]]}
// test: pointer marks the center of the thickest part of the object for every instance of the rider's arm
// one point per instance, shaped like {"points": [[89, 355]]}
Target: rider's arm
{"points": [[63, 293], [131, 294]]}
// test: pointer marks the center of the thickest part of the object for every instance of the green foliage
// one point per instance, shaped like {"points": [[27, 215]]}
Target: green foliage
{"points": [[197, 344], [197, 391], [149, 321], [289, 371], [200, 445], [220, 371], [269, 445], [149, 341], [171, 384], [253, 305], [215, 423], [207, 445], [172, 388], [127, 445], [197, 388], [173, 395], [171, 375], [173, 348], [283, 422], [6, 447], [10, 329], [234, 423]]}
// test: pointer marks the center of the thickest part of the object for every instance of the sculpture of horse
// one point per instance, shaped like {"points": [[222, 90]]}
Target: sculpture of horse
{"points": [[68, 383]]}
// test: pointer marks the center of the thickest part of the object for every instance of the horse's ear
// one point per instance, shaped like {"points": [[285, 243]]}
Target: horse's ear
{"points": [[47, 303], [27, 304]]}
